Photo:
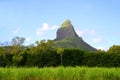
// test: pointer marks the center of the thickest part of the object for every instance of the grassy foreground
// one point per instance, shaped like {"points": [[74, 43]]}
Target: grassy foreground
{"points": [[60, 73]]}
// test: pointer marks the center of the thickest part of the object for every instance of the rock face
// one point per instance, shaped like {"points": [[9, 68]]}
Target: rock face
{"points": [[67, 38], [66, 31]]}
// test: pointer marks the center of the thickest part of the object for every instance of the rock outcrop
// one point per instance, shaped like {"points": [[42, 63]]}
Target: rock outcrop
{"points": [[66, 31], [68, 38]]}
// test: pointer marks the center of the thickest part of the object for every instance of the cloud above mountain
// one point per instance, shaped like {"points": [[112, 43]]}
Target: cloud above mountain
{"points": [[15, 31], [45, 27]]}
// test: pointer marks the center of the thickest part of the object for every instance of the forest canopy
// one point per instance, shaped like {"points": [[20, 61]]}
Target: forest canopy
{"points": [[42, 54]]}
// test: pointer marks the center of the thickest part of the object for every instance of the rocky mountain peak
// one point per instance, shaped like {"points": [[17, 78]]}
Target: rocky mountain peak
{"points": [[66, 31]]}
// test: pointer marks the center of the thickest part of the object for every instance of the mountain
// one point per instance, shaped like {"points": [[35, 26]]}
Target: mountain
{"points": [[68, 38], [66, 31]]}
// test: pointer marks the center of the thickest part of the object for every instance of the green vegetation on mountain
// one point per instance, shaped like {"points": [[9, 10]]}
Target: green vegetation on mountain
{"points": [[66, 23], [72, 43]]}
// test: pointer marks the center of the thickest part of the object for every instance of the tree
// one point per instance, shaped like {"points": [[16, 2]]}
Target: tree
{"points": [[18, 41], [17, 44], [17, 49], [114, 49], [2, 51], [60, 51], [43, 46]]}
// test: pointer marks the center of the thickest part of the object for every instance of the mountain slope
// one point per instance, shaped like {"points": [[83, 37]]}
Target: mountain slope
{"points": [[67, 38]]}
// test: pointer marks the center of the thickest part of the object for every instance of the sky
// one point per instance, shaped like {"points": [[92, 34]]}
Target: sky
{"points": [[96, 21]]}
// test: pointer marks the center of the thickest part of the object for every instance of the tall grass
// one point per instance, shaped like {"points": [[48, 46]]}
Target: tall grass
{"points": [[60, 73]]}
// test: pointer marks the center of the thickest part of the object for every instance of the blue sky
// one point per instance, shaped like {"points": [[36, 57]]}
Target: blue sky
{"points": [[96, 21]]}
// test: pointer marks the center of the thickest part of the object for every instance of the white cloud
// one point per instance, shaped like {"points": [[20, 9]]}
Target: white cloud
{"points": [[94, 38], [45, 27], [16, 31], [86, 31], [54, 27], [92, 32], [97, 40], [28, 39], [102, 48], [80, 32]]}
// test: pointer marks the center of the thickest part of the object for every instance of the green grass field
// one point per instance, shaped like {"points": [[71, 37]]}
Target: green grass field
{"points": [[60, 73]]}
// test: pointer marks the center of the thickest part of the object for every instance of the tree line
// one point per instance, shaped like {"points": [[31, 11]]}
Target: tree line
{"points": [[43, 54]]}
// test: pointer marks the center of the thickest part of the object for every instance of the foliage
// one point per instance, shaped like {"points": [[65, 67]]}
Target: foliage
{"points": [[60, 73], [18, 41], [72, 43], [43, 55], [60, 51], [114, 49], [66, 23], [17, 50]]}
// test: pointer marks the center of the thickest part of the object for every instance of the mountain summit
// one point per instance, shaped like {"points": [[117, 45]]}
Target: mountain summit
{"points": [[68, 38], [66, 31], [66, 23]]}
